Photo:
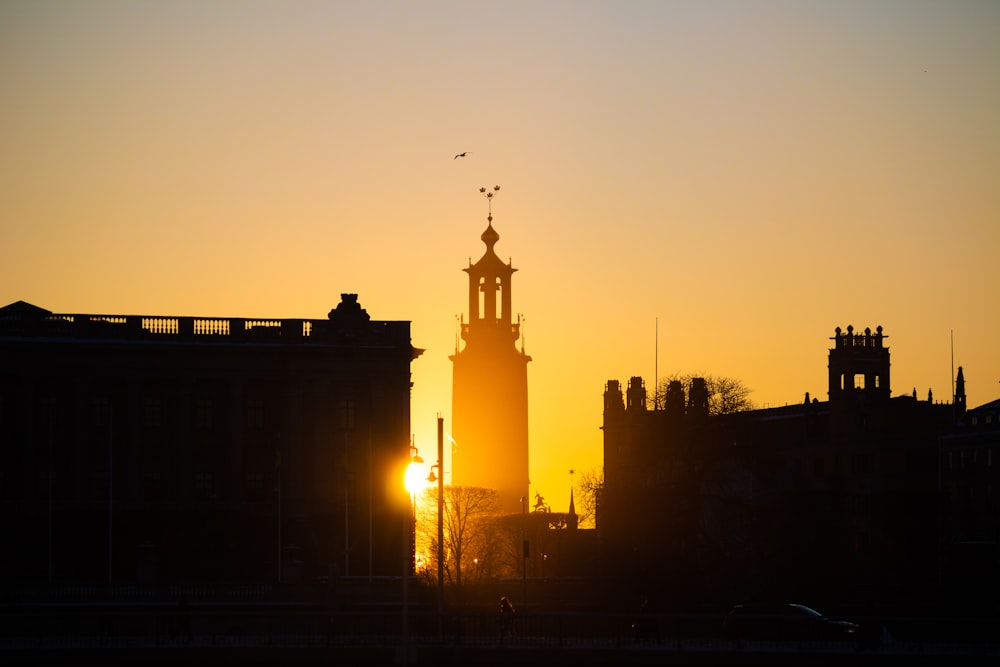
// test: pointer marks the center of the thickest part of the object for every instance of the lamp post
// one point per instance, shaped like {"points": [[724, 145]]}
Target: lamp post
{"points": [[413, 482], [439, 478], [409, 528], [440, 517]]}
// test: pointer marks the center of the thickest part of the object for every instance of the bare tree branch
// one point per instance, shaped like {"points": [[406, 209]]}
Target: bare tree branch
{"points": [[726, 395]]}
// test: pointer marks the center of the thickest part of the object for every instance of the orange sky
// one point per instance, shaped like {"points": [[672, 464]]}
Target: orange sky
{"points": [[750, 174]]}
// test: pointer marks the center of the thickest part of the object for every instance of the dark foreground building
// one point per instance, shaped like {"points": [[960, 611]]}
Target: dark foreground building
{"points": [[154, 449], [848, 499]]}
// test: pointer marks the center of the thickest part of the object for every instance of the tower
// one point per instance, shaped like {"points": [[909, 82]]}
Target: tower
{"points": [[859, 378], [490, 383]]}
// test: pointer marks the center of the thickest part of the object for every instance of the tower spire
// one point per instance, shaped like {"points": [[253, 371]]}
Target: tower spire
{"points": [[572, 520], [959, 399]]}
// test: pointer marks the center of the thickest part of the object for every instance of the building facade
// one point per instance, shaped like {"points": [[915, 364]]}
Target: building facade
{"points": [[490, 386], [842, 497], [155, 449], [970, 472]]}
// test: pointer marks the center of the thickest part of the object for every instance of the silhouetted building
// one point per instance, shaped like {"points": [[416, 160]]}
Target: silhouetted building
{"points": [[970, 470], [841, 497], [490, 386], [153, 448]]}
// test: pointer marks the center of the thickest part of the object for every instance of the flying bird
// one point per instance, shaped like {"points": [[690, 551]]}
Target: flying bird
{"points": [[462, 154]]}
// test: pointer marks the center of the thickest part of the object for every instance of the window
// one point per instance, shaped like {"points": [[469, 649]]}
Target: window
{"points": [[42, 488], [862, 543], [100, 412], [46, 411], [203, 413], [255, 485], [152, 485], [98, 484], [346, 413], [497, 300], [152, 413], [482, 297], [862, 464], [862, 505], [203, 487], [255, 414]]}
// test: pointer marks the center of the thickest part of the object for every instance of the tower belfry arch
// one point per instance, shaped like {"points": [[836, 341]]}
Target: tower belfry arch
{"points": [[489, 380]]}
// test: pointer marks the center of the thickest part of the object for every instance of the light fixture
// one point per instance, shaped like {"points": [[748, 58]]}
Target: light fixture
{"points": [[413, 480]]}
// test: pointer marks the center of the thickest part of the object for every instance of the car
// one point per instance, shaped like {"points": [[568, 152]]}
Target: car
{"points": [[785, 621]]}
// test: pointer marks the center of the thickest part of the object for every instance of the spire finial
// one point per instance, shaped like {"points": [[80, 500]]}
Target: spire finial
{"points": [[489, 198]]}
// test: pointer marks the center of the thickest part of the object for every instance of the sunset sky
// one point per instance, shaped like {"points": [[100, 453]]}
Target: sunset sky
{"points": [[748, 175]]}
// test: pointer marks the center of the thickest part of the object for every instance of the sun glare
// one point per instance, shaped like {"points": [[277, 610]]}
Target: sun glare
{"points": [[416, 478]]}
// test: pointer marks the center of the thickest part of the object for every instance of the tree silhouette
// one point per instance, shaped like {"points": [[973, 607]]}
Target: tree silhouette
{"points": [[714, 395], [590, 486], [470, 533]]}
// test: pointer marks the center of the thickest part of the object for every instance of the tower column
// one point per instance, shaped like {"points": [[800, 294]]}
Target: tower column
{"points": [[490, 384]]}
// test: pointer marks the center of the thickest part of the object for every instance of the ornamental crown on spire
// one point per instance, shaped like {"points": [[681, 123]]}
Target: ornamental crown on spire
{"points": [[489, 235]]}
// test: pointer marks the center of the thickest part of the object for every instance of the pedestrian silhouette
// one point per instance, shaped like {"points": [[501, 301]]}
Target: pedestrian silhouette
{"points": [[506, 618]]}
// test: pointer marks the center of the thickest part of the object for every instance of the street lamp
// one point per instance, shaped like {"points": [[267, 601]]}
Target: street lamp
{"points": [[414, 472], [412, 480], [439, 478]]}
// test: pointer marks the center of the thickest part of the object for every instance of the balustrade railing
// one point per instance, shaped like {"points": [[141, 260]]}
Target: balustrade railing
{"points": [[161, 325], [218, 328]]}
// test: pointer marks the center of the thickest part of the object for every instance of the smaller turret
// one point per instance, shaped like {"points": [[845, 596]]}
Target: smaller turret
{"points": [[960, 394], [636, 395]]}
